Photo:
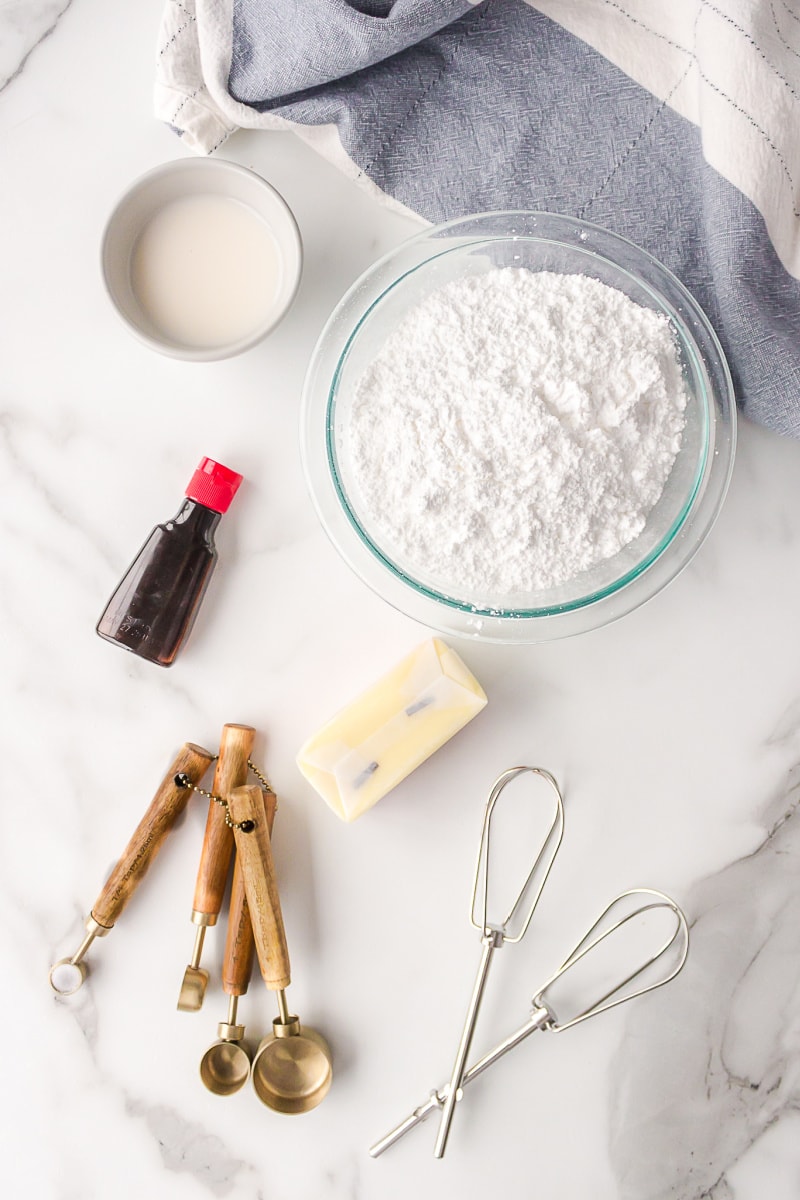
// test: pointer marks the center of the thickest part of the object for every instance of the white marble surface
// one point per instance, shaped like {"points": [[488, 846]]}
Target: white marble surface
{"points": [[675, 734]]}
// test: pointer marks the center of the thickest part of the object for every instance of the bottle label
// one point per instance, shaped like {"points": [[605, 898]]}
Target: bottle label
{"points": [[133, 628]]}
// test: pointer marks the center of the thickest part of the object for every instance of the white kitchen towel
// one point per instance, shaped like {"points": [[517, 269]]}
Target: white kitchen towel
{"points": [[675, 124]]}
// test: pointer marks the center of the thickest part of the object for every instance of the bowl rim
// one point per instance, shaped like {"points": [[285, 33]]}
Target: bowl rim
{"points": [[290, 243], [606, 603]]}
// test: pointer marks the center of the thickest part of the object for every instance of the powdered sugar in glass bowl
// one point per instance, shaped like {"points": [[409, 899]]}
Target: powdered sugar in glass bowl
{"points": [[375, 370]]}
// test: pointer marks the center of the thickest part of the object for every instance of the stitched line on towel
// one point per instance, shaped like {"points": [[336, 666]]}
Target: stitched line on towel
{"points": [[184, 10], [791, 49], [425, 93], [184, 102], [632, 144], [793, 15], [177, 34], [724, 95], [713, 8]]}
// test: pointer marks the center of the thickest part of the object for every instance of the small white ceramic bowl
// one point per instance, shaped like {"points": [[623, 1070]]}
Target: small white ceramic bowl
{"points": [[180, 180]]}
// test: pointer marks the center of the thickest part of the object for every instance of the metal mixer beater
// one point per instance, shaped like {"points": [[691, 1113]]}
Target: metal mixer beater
{"points": [[639, 911]]}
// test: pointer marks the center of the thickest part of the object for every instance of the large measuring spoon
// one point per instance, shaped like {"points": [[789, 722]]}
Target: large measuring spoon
{"points": [[236, 744], [192, 762], [292, 1070]]}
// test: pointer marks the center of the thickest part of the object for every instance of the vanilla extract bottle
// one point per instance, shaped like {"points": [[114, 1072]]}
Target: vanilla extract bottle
{"points": [[154, 607]]}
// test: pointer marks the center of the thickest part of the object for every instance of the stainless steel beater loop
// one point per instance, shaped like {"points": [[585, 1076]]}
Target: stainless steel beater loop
{"points": [[592, 938], [542, 1015], [494, 936]]}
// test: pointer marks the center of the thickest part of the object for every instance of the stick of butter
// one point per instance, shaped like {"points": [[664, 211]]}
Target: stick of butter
{"points": [[369, 747]]}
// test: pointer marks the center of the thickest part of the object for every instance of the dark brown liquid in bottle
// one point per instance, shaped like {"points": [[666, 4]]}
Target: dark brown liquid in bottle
{"points": [[154, 607]]}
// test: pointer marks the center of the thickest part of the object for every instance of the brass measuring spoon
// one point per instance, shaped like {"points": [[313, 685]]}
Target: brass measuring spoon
{"points": [[67, 975], [292, 1070], [236, 744], [225, 1066]]}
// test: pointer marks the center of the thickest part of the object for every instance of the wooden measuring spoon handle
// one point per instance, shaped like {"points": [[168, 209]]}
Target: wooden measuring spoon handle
{"points": [[236, 744], [255, 851], [237, 963], [167, 805]]}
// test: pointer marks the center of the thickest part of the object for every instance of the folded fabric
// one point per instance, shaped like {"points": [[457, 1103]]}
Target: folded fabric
{"points": [[676, 125]]}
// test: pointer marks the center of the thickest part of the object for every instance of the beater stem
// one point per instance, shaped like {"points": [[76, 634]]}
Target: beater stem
{"points": [[491, 939]]}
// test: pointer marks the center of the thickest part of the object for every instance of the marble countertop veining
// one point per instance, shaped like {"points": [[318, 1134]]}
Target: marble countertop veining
{"points": [[675, 734]]}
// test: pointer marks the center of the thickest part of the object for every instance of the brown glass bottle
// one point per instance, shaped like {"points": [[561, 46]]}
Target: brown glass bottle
{"points": [[154, 606]]}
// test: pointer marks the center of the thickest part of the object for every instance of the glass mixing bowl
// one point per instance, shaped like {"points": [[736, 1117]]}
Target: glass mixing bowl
{"points": [[369, 313]]}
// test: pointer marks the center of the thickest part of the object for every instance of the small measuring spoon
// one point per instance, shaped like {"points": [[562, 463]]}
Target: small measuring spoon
{"points": [[236, 744], [192, 762], [225, 1066], [292, 1070]]}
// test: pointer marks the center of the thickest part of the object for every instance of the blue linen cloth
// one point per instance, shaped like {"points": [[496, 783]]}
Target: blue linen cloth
{"points": [[453, 108]]}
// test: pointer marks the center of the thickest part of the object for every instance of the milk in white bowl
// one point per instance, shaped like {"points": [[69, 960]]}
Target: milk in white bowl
{"points": [[201, 258]]}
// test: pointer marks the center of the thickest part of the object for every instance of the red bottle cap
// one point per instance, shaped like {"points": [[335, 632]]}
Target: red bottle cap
{"points": [[213, 485]]}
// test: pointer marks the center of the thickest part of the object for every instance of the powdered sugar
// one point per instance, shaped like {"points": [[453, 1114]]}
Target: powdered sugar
{"points": [[514, 430]]}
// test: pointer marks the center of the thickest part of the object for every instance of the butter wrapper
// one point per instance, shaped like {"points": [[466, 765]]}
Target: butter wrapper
{"points": [[373, 744]]}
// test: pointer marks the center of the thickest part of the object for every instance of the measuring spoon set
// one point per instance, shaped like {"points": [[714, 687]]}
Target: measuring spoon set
{"points": [[291, 1069]]}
